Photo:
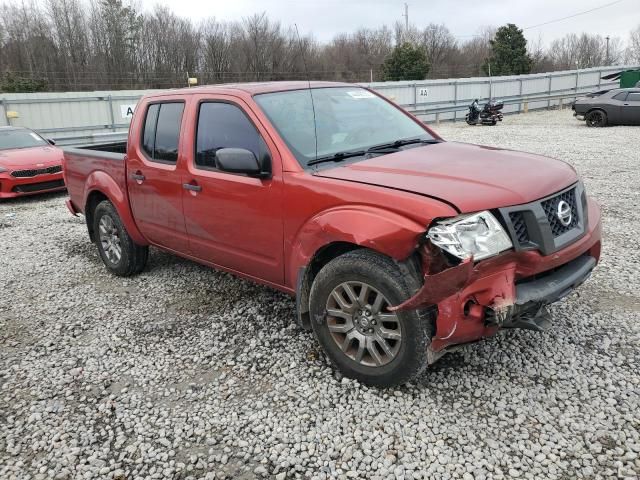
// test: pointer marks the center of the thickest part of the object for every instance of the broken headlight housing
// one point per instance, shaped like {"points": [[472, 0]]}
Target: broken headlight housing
{"points": [[478, 235]]}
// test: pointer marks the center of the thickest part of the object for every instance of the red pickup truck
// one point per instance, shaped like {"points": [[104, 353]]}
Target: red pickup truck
{"points": [[398, 245]]}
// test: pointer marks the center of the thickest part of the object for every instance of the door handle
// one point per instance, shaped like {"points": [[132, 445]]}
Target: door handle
{"points": [[138, 177], [191, 187]]}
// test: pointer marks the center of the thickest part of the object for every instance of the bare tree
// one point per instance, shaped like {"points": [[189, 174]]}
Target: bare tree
{"points": [[542, 62], [69, 32], [475, 51], [111, 44], [632, 55], [440, 46], [216, 49], [584, 50]]}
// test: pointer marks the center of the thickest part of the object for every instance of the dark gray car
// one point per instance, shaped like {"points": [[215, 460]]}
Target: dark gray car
{"points": [[620, 106]]}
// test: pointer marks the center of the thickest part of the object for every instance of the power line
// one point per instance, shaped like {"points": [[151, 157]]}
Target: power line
{"points": [[574, 15]]}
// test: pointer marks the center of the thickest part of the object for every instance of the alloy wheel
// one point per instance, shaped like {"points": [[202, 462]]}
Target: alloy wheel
{"points": [[361, 325], [595, 119], [110, 239]]}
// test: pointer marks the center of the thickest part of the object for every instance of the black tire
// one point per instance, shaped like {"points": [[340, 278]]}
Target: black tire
{"points": [[133, 257], [596, 118], [383, 276]]}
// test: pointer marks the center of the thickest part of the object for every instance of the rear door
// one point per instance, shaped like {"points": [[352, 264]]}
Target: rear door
{"points": [[233, 220], [631, 109], [154, 183]]}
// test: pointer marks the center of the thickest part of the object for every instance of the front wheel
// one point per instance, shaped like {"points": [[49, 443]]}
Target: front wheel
{"points": [[349, 304], [119, 253]]}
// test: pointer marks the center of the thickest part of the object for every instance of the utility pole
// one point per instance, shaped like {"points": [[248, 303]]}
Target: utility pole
{"points": [[607, 58], [406, 17]]}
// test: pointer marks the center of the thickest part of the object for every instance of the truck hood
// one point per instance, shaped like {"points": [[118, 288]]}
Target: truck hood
{"points": [[27, 158], [469, 177]]}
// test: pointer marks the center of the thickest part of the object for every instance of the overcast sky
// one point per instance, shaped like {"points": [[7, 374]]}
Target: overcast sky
{"points": [[325, 18]]}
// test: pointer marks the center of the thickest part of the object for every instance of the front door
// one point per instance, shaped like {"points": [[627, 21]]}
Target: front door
{"points": [[154, 184], [233, 220], [631, 109]]}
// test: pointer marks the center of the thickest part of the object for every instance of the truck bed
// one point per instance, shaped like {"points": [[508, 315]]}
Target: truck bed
{"points": [[98, 160]]}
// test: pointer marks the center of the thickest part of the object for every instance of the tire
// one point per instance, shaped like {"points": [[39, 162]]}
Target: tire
{"points": [[119, 253], [596, 118], [469, 122], [406, 334]]}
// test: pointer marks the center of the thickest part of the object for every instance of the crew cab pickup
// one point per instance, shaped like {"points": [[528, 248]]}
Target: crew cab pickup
{"points": [[399, 246]]}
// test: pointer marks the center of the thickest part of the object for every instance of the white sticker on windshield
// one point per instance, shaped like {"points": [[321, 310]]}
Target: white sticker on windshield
{"points": [[360, 94]]}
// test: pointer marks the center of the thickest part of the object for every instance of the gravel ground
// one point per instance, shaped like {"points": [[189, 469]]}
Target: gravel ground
{"points": [[184, 372]]}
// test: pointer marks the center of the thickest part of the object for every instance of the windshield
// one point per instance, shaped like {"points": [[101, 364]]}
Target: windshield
{"points": [[19, 138], [346, 119]]}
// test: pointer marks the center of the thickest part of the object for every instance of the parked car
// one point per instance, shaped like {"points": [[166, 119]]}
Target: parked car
{"points": [[398, 245], [620, 106], [28, 163]]}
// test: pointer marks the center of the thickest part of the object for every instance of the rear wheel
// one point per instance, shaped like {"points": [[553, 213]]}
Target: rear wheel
{"points": [[596, 118], [119, 253], [349, 303]]}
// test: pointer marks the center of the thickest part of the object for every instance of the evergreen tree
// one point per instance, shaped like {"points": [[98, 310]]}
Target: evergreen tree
{"points": [[508, 53], [406, 62]]}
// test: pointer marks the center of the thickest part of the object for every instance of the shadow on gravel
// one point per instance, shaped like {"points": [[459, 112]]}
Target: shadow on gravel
{"points": [[33, 199], [82, 247]]}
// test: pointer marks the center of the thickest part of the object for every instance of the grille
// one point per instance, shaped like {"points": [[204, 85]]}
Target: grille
{"points": [[36, 187], [550, 207], [519, 226], [34, 172]]}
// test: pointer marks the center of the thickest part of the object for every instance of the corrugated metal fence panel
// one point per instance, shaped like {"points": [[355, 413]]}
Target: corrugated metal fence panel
{"points": [[444, 93], [56, 114], [69, 114]]}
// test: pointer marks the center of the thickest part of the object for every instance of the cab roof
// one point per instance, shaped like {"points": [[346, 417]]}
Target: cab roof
{"points": [[254, 88]]}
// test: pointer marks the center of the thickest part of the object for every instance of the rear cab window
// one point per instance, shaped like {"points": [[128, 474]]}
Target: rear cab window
{"points": [[161, 134]]}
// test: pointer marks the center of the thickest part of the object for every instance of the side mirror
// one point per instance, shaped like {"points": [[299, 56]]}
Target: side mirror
{"points": [[51, 141], [240, 160]]}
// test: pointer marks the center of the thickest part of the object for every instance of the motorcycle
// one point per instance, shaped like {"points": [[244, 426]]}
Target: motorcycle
{"points": [[490, 114]]}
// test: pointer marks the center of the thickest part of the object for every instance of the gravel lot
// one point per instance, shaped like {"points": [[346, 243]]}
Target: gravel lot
{"points": [[184, 372]]}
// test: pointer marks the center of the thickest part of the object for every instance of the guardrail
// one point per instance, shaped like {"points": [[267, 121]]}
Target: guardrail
{"points": [[523, 101]]}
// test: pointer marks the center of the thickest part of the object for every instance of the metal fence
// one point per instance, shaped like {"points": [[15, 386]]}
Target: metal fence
{"points": [[433, 100], [80, 117]]}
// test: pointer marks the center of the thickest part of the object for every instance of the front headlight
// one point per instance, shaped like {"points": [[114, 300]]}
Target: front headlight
{"points": [[2, 169], [479, 235]]}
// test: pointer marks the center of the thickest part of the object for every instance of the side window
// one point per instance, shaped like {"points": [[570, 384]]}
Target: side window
{"points": [[222, 125], [620, 96], [633, 97], [149, 133], [161, 134]]}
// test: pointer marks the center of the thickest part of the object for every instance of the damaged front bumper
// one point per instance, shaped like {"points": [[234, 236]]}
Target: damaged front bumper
{"points": [[510, 290]]}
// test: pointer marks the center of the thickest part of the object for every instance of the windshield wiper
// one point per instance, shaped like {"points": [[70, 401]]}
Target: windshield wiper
{"points": [[337, 157], [401, 143]]}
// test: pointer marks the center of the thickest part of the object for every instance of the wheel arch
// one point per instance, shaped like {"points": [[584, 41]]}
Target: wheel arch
{"points": [[100, 186], [600, 109], [338, 231]]}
